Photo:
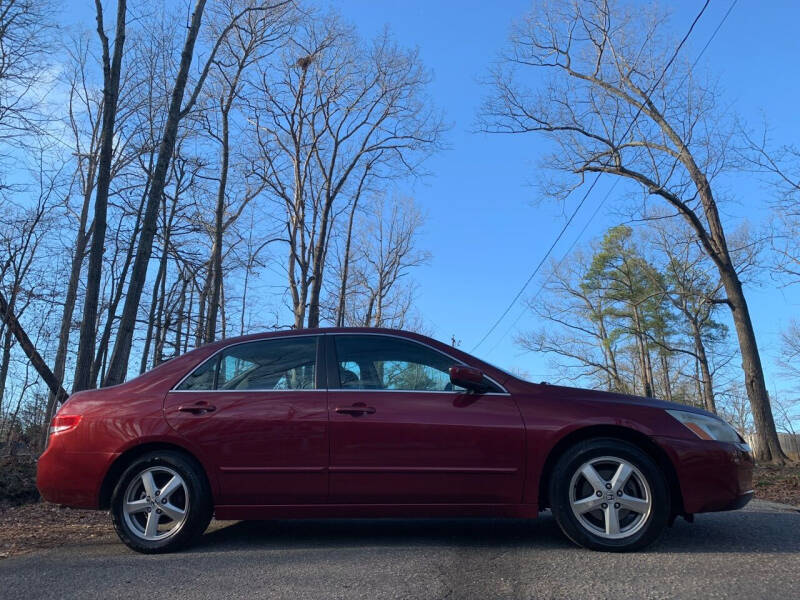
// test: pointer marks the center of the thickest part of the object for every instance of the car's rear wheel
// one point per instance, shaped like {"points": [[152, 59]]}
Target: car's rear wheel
{"points": [[608, 494], [161, 502]]}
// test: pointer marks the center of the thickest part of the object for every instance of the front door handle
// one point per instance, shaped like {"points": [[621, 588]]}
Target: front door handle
{"points": [[356, 410], [198, 408]]}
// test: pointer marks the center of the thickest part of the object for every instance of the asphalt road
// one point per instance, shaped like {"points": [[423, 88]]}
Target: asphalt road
{"points": [[754, 553]]}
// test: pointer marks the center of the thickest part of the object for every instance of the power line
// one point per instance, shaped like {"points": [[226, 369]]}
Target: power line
{"points": [[608, 194], [558, 264], [597, 177]]}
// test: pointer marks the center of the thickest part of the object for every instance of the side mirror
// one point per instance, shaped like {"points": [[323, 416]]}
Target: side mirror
{"points": [[469, 378]]}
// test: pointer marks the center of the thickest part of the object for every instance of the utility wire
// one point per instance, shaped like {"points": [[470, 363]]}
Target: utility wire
{"points": [[608, 194], [591, 187], [558, 264]]}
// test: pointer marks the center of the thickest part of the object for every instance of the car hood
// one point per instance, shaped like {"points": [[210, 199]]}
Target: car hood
{"points": [[573, 393]]}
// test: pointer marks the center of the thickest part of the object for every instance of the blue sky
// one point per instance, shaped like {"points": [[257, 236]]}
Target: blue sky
{"points": [[486, 228]]}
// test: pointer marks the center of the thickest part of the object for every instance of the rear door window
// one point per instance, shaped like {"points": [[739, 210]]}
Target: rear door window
{"points": [[278, 364]]}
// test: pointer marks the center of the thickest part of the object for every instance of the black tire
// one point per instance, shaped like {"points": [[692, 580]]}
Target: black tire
{"points": [[194, 498], [647, 482]]}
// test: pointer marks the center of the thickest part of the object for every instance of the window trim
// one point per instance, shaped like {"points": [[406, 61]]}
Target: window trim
{"points": [[319, 373], [333, 364]]}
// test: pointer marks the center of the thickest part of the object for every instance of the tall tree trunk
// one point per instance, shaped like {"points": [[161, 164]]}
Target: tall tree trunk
{"points": [[318, 266], [698, 379], [151, 317], [118, 364], [188, 319], [181, 309], [201, 309], [379, 303], [102, 347], [162, 322], [160, 287], [5, 361], [715, 244], [10, 320], [111, 75], [346, 267], [644, 355], [245, 285], [703, 368], [70, 299], [769, 445], [665, 370], [222, 308], [215, 261]]}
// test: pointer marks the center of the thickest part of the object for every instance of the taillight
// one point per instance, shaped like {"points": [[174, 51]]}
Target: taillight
{"points": [[61, 424]]}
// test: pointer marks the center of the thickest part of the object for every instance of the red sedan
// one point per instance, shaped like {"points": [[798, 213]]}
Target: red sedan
{"points": [[381, 423]]}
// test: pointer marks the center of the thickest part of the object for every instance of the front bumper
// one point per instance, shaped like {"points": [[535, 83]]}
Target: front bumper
{"points": [[713, 476], [740, 502]]}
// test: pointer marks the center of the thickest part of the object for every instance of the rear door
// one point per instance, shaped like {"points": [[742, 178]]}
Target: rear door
{"points": [[400, 434], [257, 410]]}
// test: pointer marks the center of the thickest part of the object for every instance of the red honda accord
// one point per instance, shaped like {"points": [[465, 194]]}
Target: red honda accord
{"points": [[381, 423]]}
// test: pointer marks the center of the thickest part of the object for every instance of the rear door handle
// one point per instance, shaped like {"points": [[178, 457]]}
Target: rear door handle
{"points": [[198, 408], [356, 410]]}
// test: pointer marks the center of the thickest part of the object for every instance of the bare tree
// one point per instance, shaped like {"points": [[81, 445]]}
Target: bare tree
{"points": [[26, 230], [735, 407], [695, 292], [580, 335], [790, 350], [254, 39], [118, 362], [782, 166], [378, 291], [25, 41], [330, 110], [111, 77], [611, 108], [86, 136]]}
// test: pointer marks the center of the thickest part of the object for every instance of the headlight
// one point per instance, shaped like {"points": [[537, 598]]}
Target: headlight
{"points": [[705, 427]]}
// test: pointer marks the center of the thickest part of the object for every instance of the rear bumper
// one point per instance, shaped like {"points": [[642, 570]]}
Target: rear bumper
{"points": [[713, 476], [72, 478]]}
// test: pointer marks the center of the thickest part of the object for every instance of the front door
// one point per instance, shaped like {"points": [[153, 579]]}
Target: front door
{"points": [[257, 413], [400, 434]]}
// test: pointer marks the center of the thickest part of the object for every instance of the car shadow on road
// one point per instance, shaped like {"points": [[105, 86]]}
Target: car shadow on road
{"points": [[736, 532]]}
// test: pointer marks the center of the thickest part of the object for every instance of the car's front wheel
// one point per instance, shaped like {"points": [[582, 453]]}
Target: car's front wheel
{"points": [[608, 494], [161, 502]]}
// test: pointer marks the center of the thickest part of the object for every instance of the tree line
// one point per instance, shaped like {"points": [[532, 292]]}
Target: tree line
{"points": [[160, 168], [188, 157]]}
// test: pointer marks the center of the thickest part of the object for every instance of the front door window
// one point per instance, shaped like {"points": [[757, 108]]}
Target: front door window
{"points": [[379, 362]]}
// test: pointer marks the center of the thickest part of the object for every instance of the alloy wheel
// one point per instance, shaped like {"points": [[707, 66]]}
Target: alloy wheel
{"points": [[156, 503], [610, 497]]}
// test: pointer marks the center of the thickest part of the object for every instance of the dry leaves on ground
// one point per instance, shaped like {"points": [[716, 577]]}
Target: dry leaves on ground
{"points": [[778, 483], [43, 525]]}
